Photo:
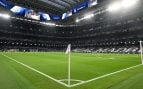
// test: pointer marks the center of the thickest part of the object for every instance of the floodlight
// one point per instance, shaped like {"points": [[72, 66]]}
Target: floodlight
{"points": [[6, 16], [88, 16], [94, 3], [50, 24], [114, 7], [128, 3], [77, 21]]}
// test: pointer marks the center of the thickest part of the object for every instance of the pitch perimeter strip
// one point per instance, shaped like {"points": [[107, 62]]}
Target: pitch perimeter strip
{"points": [[36, 71]]}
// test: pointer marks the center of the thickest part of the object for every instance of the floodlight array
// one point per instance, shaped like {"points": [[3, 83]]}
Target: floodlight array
{"points": [[115, 6], [49, 24], [6, 16], [123, 4], [88, 16]]}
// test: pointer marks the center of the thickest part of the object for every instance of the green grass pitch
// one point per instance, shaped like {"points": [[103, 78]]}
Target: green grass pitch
{"points": [[84, 66]]}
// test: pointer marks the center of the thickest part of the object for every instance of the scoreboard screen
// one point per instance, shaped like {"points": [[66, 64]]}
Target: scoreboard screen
{"points": [[28, 13]]}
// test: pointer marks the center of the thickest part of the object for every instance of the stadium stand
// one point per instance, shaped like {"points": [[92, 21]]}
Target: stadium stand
{"points": [[106, 32]]}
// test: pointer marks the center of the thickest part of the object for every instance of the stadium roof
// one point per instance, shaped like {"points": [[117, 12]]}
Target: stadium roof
{"points": [[49, 6]]}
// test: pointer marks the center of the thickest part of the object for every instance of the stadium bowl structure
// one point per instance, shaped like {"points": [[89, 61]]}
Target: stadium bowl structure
{"points": [[71, 44]]}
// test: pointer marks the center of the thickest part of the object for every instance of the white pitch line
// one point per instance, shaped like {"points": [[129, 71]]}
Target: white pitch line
{"points": [[36, 71], [104, 76], [71, 80]]}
